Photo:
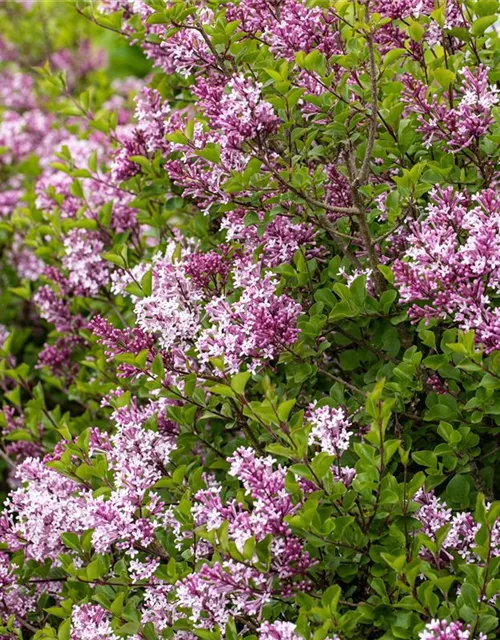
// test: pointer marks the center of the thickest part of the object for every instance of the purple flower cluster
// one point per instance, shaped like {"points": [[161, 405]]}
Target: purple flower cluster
{"points": [[393, 36], [88, 271], [239, 114], [279, 242], [54, 188], [48, 504], [119, 341], [461, 126], [229, 588], [183, 311], [444, 630], [255, 328], [146, 139], [450, 268], [461, 536], [91, 622], [302, 28], [14, 598], [330, 429], [41, 510]]}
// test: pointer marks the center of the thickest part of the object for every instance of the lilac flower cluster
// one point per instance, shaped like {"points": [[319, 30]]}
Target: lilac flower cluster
{"points": [[183, 312], [37, 513], [14, 598], [461, 536], [54, 188], [461, 126], [146, 139], [392, 35], [88, 272], [444, 630], [48, 504], [91, 622], [279, 242], [229, 588], [120, 341], [450, 267], [240, 114], [330, 429]]}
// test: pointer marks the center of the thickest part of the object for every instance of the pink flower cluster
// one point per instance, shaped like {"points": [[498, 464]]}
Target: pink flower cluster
{"points": [[88, 271], [279, 242], [255, 328], [392, 35], [54, 187], [451, 266], [91, 622], [119, 341], [239, 114], [461, 126], [288, 26], [146, 139], [229, 588], [444, 630], [183, 312], [330, 429], [40, 511], [49, 504], [434, 514], [14, 598]]}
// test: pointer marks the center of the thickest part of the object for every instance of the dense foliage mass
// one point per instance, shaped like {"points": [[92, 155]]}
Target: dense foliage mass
{"points": [[250, 339]]}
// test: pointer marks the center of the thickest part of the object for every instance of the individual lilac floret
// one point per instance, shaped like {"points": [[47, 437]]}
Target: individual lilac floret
{"points": [[330, 429]]}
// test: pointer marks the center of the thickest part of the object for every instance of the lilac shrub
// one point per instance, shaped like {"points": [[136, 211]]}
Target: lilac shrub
{"points": [[250, 326]]}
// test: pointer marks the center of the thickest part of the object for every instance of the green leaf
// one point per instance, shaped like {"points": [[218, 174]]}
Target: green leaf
{"points": [[117, 604], [63, 633], [445, 77], [284, 409], [458, 490], [210, 152], [222, 390], [425, 458], [417, 31], [480, 25], [239, 382]]}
